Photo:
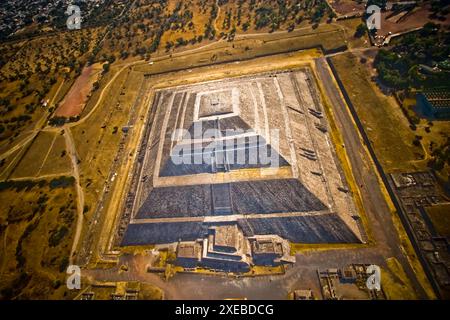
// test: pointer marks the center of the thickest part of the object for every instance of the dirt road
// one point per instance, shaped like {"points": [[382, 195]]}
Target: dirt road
{"points": [[72, 153]]}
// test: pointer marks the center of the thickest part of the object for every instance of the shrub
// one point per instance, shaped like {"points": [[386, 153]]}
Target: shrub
{"points": [[57, 235]]}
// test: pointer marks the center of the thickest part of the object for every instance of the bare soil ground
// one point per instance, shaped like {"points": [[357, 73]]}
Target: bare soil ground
{"points": [[75, 100], [417, 18], [385, 124], [346, 7]]}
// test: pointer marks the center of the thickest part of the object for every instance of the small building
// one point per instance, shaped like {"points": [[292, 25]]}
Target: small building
{"points": [[434, 103], [225, 248], [266, 252], [189, 254], [403, 180], [225, 238], [303, 295], [349, 275], [270, 250], [333, 272]]}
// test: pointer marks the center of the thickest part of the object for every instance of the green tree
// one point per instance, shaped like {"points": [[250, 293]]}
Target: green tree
{"points": [[360, 30]]}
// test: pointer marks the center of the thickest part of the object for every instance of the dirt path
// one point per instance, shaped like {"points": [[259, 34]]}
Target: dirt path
{"points": [[37, 128], [44, 176], [217, 16], [70, 146], [17, 146], [260, 34], [52, 102]]}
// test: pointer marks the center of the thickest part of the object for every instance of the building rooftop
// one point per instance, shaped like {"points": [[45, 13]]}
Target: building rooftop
{"points": [[226, 236], [189, 250], [303, 295], [267, 246], [438, 98]]}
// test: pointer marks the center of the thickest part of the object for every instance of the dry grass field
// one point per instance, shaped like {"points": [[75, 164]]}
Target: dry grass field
{"points": [[97, 139], [384, 122], [28, 165], [45, 156], [247, 47], [36, 234], [440, 216], [433, 134], [57, 161], [395, 282], [8, 164]]}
